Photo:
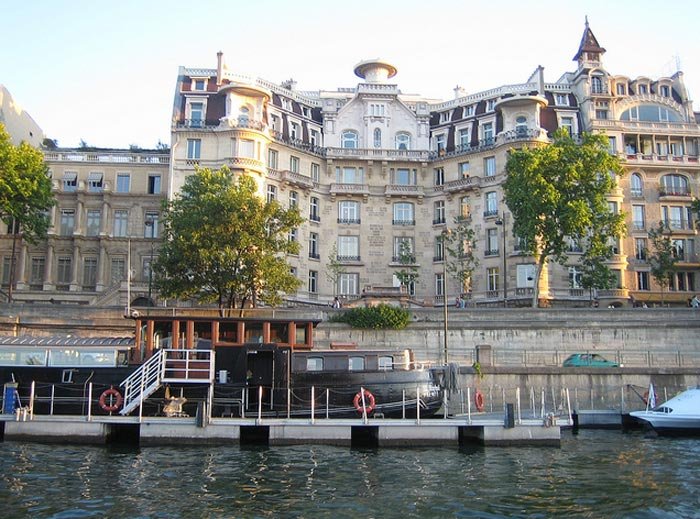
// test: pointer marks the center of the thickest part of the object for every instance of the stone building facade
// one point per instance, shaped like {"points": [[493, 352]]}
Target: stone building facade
{"points": [[372, 168]]}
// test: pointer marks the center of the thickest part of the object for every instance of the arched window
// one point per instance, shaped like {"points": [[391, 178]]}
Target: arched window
{"points": [[521, 126], [403, 141], [636, 184], [377, 138], [597, 84], [349, 139], [243, 116], [674, 185], [651, 113]]}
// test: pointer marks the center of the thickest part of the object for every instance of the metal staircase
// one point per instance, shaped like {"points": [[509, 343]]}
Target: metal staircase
{"points": [[164, 367]]}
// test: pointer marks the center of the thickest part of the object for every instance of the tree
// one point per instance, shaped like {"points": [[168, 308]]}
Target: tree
{"points": [[223, 243], [25, 195], [408, 273], [460, 244], [557, 192], [596, 273], [334, 269], [663, 258]]}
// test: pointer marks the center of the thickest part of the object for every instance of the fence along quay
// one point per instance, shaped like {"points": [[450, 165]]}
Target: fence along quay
{"points": [[210, 379]]}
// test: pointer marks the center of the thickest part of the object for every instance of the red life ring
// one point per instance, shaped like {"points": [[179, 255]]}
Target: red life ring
{"points": [[115, 402], [479, 401], [369, 402]]}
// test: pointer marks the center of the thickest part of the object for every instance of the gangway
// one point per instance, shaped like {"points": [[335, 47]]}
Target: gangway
{"points": [[167, 366]]}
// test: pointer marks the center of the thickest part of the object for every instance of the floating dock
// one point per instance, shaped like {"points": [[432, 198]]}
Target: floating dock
{"points": [[271, 431]]}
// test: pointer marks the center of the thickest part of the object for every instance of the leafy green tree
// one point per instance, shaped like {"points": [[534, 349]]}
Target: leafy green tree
{"points": [[408, 273], [25, 195], [223, 243], [596, 272], [459, 243], [663, 258], [334, 268], [557, 192]]}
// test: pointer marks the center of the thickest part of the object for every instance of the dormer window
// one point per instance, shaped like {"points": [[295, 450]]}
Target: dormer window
{"points": [[445, 117], [620, 89], [643, 89], [196, 114], [199, 84], [349, 139], [562, 100], [468, 111], [490, 104], [597, 85], [664, 91], [294, 131], [521, 126], [403, 141], [376, 110]]}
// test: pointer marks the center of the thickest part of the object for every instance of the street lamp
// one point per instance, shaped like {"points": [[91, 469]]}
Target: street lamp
{"points": [[150, 223], [502, 221], [445, 234]]}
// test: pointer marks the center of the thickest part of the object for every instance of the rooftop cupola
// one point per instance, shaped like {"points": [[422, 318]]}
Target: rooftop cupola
{"points": [[589, 52], [375, 70]]}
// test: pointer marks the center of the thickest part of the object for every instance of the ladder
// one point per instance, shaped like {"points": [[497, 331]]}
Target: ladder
{"points": [[164, 367]]}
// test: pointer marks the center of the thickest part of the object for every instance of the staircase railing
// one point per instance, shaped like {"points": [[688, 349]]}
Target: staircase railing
{"points": [[143, 382]]}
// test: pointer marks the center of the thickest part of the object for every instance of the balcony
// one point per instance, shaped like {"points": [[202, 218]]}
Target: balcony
{"points": [[404, 260], [524, 134], [314, 255], [403, 221], [107, 156], [247, 163], [378, 154], [490, 213], [348, 259], [313, 217], [349, 189], [491, 252], [670, 191], [439, 221], [349, 221], [297, 179], [403, 191], [196, 124], [462, 184]]}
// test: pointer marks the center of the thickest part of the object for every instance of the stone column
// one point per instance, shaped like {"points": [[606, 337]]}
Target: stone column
{"points": [[102, 258], [74, 280], [21, 268], [49, 284]]}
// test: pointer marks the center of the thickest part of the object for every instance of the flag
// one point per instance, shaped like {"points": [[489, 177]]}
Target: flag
{"points": [[651, 399]]}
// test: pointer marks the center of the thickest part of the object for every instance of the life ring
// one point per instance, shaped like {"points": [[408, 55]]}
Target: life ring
{"points": [[115, 402], [479, 401], [369, 402]]}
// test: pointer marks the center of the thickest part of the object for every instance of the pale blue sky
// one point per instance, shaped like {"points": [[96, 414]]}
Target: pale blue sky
{"points": [[105, 71]]}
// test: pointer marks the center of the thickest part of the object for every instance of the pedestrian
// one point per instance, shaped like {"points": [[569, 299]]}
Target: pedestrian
{"points": [[458, 302], [695, 302]]}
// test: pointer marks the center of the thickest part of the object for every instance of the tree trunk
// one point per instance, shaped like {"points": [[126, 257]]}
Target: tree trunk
{"points": [[12, 262], [539, 265]]}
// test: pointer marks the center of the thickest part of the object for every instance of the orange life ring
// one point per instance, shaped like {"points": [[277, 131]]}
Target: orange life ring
{"points": [[115, 402], [369, 402], [479, 401]]}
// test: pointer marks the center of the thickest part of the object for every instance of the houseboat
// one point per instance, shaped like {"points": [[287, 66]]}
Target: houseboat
{"points": [[258, 364]]}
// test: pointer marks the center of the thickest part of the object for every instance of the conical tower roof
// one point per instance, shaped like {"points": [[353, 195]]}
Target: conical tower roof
{"points": [[589, 43]]}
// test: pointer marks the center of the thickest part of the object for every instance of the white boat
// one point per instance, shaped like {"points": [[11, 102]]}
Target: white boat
{"points": [[678, 416]]}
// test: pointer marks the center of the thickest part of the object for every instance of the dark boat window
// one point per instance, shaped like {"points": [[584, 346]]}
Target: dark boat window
{"points": [[386, 363], [314, 364], [67, 376], [356, 363]]}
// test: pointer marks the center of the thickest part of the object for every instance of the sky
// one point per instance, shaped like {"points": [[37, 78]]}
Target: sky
{"points": [[105, 72]]}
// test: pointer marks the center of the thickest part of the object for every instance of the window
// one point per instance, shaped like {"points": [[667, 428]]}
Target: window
{"points": [[492, 279], [575, 277], [146, 272], [194, 149], [95, 182], [440, 142], [640, 249], [348, 284], [70, 181], [348, 248], [568, 124], [356, 363], [36, 276], [294, 131], [386, 363], [403, 214], [315, 172], [349, 139], [376, 109], [123, 182], [246, 149], [348, 211], [489, 167], [665, 92], [487, 133], [621, 89], [314, 138], [468, 111], [642, 281], [293, 199], [276, 125], [121, 223], [349, 175], [638, 217], [314, 363], [313, 246], [196, 114], [314, 210], [64, 271], [93, 222], [636, 186], [562, 99], [464, 170], [404, 177], [272, 159], [271, 193], [674, 185], [491, 242], [67, 222], [439, 247], [491, 204], [642, 89], [445, 117], [490, 105], [118, 270], [293, 235], [294, 164], [612, 145], [5, 281], [151, 225], [464, 207], [313, 281], [403, 249], [198, 84], [464, 138], [439, 285], [403, 141], [439, 212], [521, 126], [89, 273], [153, 184], [439, 176], [597, 85], [377, 138], [525, 276], [674, 217], [601, 114]]}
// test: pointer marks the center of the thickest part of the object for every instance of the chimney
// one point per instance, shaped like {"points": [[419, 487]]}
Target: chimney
{"points": [[219, 67]]}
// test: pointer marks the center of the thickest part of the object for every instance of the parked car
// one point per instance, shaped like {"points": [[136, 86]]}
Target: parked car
{"points": [[592, 360]]}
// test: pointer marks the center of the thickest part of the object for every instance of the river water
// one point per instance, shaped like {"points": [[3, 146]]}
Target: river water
{"points": [[593, 474]]}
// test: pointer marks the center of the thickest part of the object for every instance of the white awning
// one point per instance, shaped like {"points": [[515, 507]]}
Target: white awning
{"points": [[68, 175], [94, 176]]}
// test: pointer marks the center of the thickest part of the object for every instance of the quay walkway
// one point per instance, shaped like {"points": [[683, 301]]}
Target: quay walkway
{"points": [[370, 432]]}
